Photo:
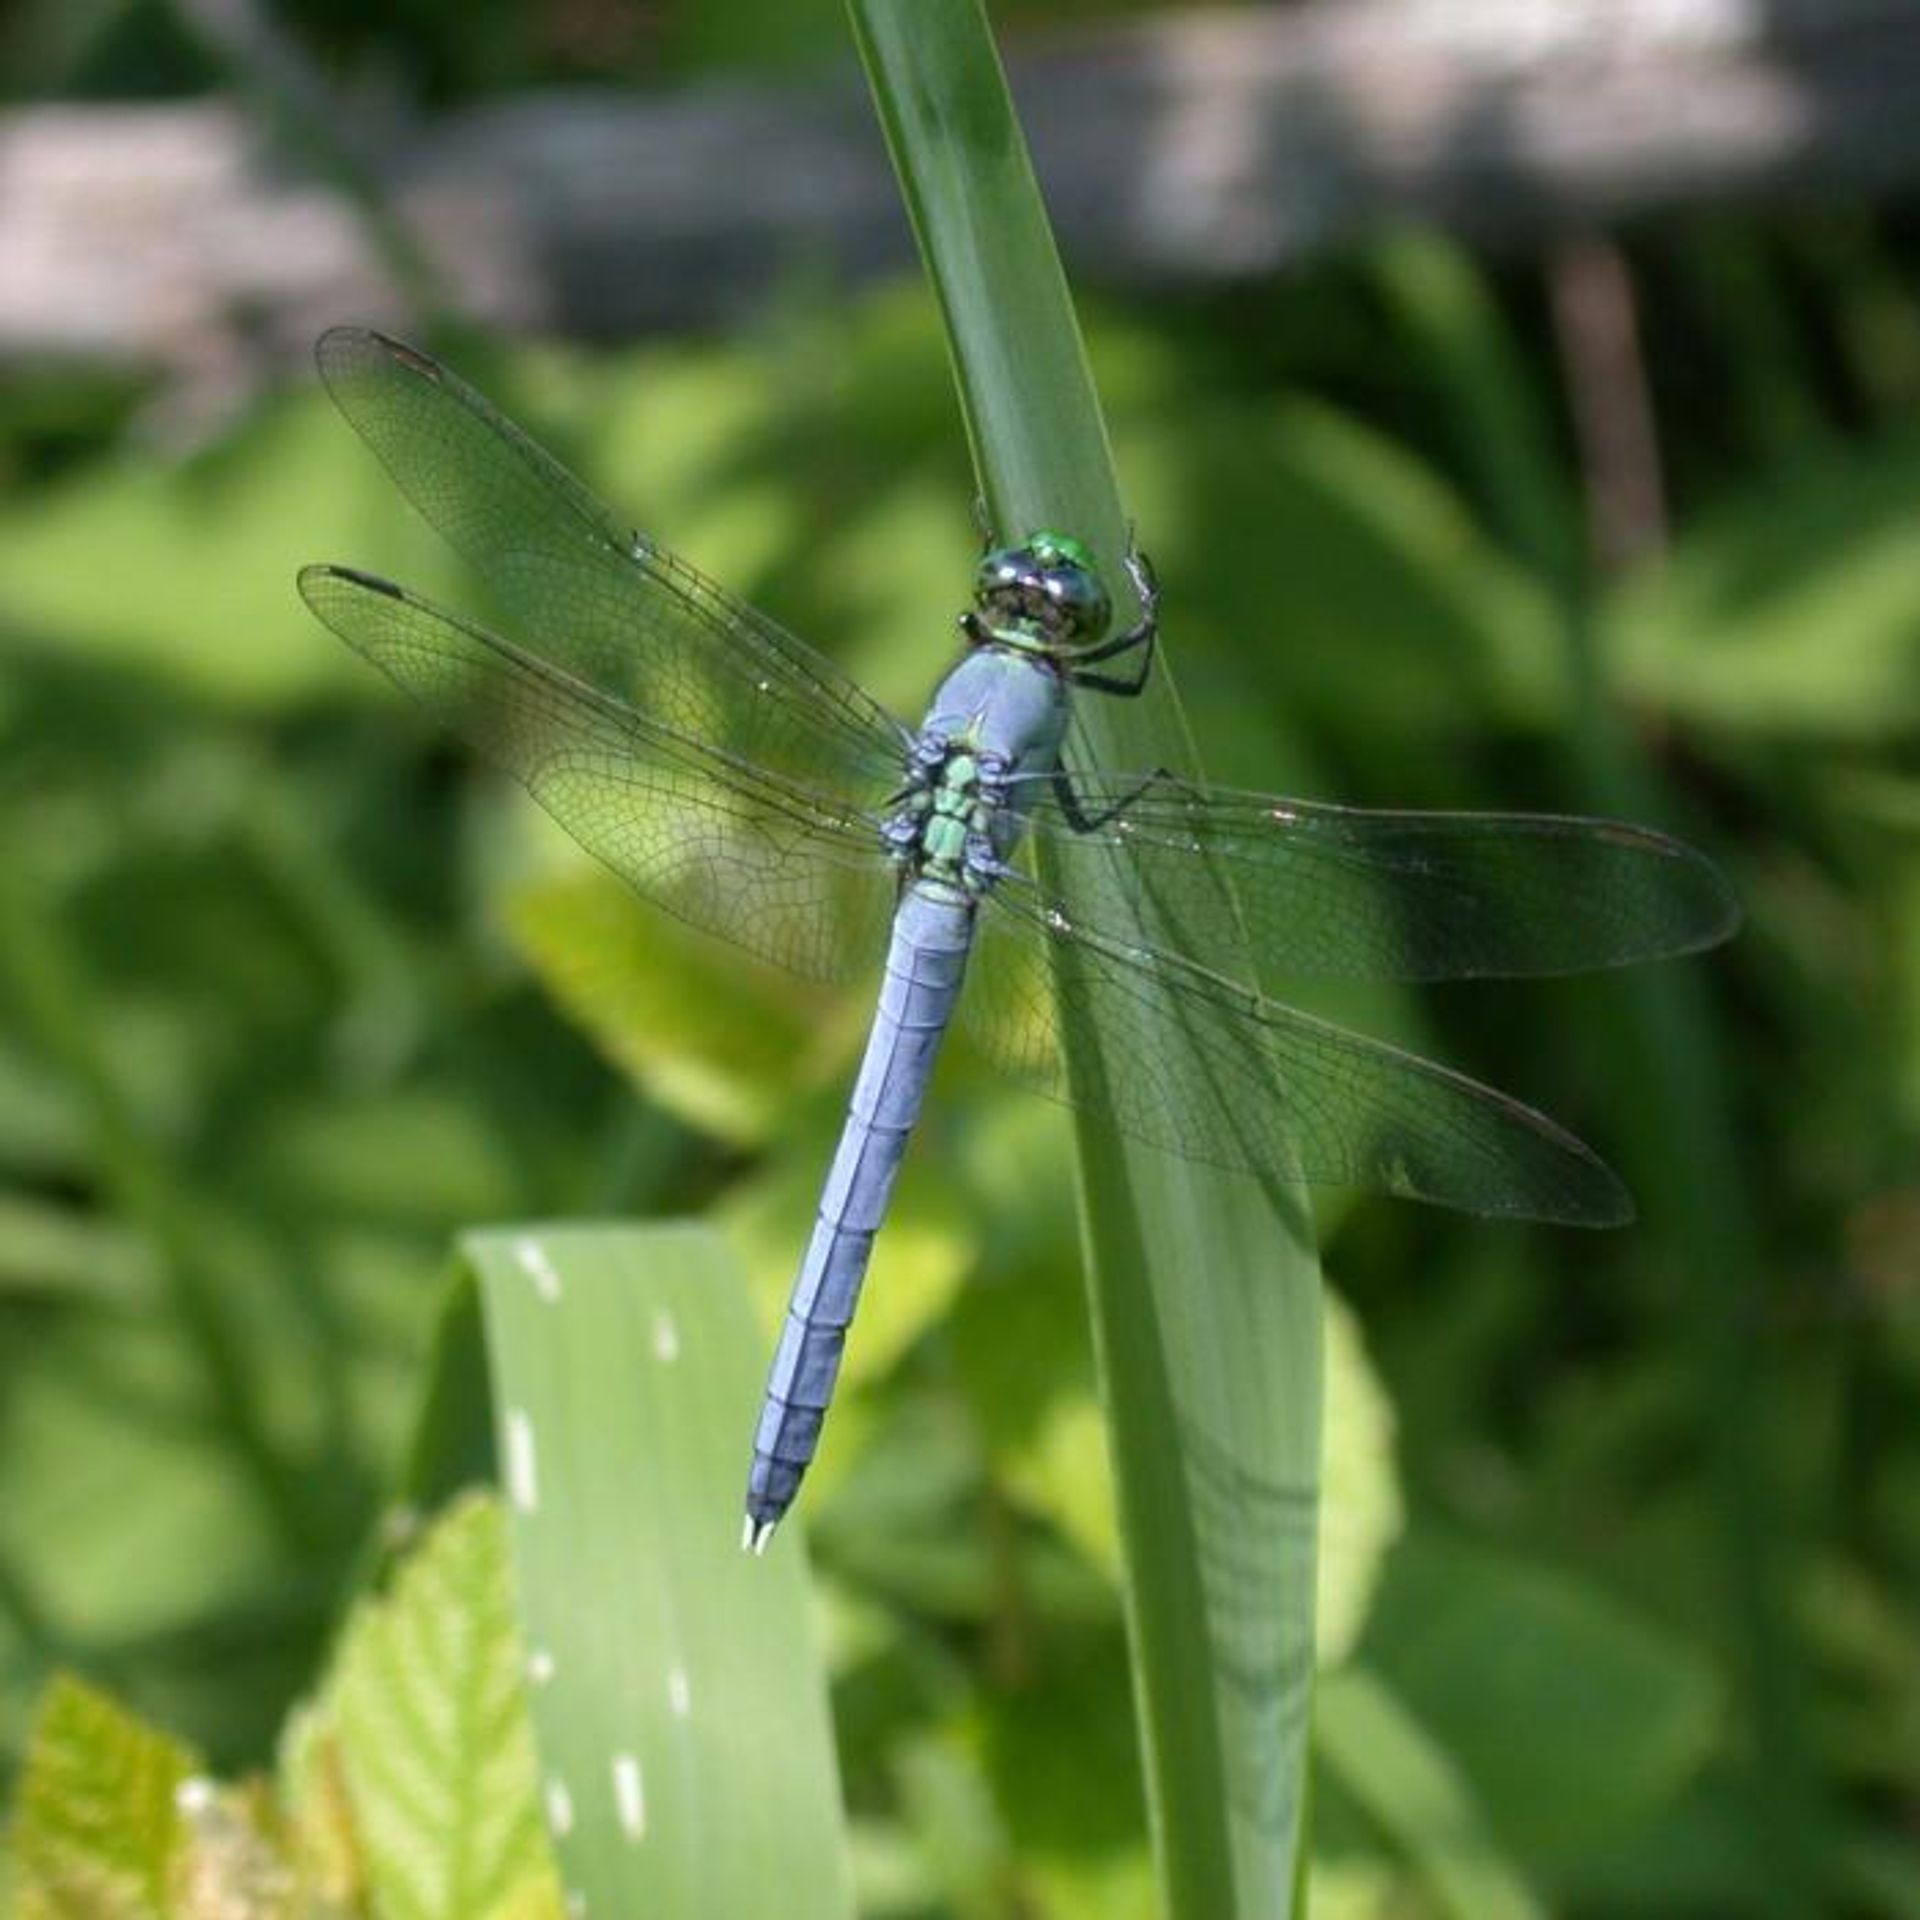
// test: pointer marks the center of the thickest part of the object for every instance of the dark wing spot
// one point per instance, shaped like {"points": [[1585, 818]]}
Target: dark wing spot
{"points": [[371, 581], [410, 357]]}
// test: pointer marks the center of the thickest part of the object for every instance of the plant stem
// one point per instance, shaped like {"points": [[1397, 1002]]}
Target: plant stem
{"points": [[1203, 1285]]}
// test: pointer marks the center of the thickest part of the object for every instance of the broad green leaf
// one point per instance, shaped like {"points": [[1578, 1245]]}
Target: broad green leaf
{"points": [[1354, 1890], [427, 1712], [48, 1247], [1572, 1719], [686, 1758], [451, 1445], [98, 1833], [1391, 1767], [1794, 614], [1346, 576], [186, 571], [710, 1037], [1362, 1511]]}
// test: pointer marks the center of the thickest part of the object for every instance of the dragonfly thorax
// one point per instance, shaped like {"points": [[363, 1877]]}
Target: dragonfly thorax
{"points": [[944, 831], [995, 723]]}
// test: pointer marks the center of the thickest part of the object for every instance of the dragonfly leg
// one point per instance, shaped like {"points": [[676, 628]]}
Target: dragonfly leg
{"points": [[983, 522], [1140, 637], [1081, 821]]}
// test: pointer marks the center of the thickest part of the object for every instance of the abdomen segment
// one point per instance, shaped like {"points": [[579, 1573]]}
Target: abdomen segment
{"points": [[926, 960]]}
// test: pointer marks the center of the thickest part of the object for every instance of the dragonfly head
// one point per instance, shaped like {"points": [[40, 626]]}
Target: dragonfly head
{"points": [[1044, 595]]}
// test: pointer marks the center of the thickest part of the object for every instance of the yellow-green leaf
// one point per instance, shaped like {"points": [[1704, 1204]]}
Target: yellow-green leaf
{"points": [[434, 1749], [98, 1833]]}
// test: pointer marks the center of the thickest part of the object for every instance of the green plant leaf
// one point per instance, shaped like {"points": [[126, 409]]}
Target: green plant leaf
{"points": [[322, 1842], [1795, 613], [51, 1248], [428, 1714], [198, 589], [686, 1755], [1203, 1285], [1502, 1661], [1316, 527], [98, 1833], [712, 1038], [1410, 1787], [1363, 1511]]}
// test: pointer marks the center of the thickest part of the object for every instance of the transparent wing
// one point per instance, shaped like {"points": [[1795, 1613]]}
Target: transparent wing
{"points": [[1375, 895], [607, 606], [1194, 1063], [780, 870]]}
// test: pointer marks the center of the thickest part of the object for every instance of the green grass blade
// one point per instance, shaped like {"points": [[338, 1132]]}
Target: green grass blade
{"points": [[678, 1696], [1204, 1285]]}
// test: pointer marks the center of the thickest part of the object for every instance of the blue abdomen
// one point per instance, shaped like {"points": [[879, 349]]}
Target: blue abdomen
{"points": [[926, 961]]}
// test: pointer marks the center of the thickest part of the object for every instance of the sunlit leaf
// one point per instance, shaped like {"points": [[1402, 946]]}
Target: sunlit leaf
{"points": [[686, 1761], [1388, 1762], [1794, 614], [317, 1809], [1572, 1719], [706, 1033], [1362, 1512], [98, 1830], [428, 1712]]}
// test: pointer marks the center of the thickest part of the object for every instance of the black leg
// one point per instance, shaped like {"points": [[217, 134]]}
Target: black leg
{"points": [[983, 519], [1081, 821], [1140, 637], [1124, 689]]}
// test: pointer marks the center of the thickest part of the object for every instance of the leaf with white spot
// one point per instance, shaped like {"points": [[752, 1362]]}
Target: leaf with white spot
{"points": [[686, 1755], [428, 1711]]}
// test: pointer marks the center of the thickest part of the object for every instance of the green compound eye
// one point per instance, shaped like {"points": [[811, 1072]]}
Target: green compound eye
{"points": [[1047, 587], [1055, 548]]}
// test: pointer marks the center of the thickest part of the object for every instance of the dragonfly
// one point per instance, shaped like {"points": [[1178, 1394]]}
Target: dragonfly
{"points": [[745, 783]]}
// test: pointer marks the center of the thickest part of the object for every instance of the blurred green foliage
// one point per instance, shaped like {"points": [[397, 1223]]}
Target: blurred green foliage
{"points": [[289, 992]]}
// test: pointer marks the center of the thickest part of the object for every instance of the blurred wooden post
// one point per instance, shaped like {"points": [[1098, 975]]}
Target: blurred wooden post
{"points": [[1201, 147]]}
